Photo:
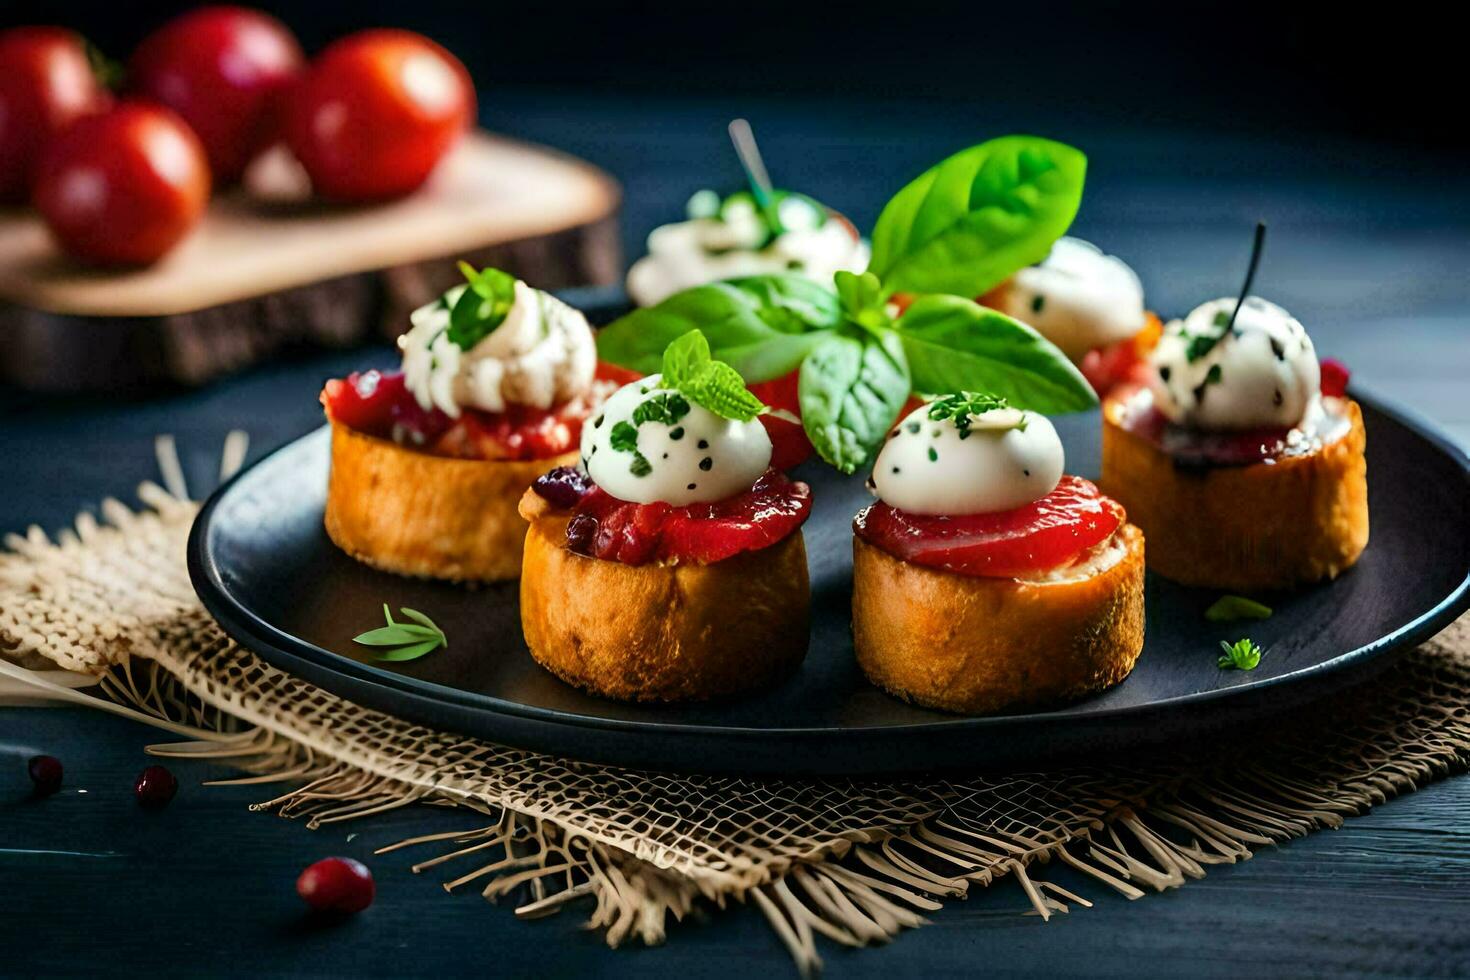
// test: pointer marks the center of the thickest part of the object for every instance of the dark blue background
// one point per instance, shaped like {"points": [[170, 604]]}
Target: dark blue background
{"points": [[1333, 126]]}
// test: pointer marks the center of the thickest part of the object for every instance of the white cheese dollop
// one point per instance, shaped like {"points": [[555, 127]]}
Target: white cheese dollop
{"points": [[702, 250], [1077, 297], [1262, 374], [935, 467], [698, 457], [541, 355]]}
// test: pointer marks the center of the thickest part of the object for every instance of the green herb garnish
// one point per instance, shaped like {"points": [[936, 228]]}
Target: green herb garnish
{"points": [[482, 307], [1228, 608], [412, 640], [689, 369], [1243, 654], [623, 438], [667, 407], [958, 229]]}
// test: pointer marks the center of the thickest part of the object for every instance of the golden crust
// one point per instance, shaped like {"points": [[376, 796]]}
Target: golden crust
{"points": [[432, 516], [662, 632], [988, 645], [1251, 528]]}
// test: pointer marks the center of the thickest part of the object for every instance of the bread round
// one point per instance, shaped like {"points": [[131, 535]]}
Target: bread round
{"points": [[977, 645], [1260, 527], [662, 632], [414, 513]]}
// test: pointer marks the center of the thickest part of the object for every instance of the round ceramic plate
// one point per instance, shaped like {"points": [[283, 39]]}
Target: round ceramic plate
{"points": [[264, 567]]}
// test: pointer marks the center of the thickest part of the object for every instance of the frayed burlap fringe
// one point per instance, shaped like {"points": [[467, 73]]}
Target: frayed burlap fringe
{"points": [[851, 861]]}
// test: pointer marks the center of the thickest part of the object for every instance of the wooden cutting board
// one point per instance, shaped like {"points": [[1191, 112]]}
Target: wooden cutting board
{"points": [[270, 268]]}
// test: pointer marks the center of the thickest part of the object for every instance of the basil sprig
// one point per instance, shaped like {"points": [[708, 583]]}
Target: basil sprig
{"points": [[482, 306], [969, 222], [960, 228]]}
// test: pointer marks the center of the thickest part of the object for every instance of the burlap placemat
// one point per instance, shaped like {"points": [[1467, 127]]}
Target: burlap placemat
{"points": [[854, 861]]}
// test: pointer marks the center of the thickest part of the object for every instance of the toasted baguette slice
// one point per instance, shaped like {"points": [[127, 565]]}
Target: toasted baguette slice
{"points": [[662, 632], [431, 516], [977, 645], [1262, 527]]}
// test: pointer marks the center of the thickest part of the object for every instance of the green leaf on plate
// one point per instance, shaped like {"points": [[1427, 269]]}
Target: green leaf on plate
{"points": [[955, 344], [411, 640], [851, 389], [970, 221], [1228, 608], [762, 326]]}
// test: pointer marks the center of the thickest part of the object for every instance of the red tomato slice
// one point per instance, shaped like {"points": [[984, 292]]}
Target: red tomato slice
{"points": [[634, 534], [1044, 534]]}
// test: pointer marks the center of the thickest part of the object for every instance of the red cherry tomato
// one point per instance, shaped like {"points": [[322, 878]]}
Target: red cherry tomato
{"points": [[221, 69], [375, 112], [789, 445], [122, 188], [46, 84], [1044, 534]]}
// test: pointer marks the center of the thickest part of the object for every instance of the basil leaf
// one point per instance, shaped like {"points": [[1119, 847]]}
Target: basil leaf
{"points": [[482, 307], [761, 326], [956, 344], [972, 220], [851, 390]]}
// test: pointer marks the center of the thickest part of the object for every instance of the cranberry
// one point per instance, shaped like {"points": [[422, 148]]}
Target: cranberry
{"points": [[336, 884], [155, 787], [581, 530], [563, 487], [45, 773], [1335, 377]]}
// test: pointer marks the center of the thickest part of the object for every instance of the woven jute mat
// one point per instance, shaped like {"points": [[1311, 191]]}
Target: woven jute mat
{"points": [[847, 861]]}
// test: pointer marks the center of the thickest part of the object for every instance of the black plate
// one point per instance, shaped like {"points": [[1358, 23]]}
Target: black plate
{"points": [[264, 567]]}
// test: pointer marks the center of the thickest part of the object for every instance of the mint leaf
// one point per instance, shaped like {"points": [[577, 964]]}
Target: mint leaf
{"points": [[955, 344], [688, 367], [861, 297], [1228, 608], [762, 326], [851, 389], [482, 307], [972, 220]]}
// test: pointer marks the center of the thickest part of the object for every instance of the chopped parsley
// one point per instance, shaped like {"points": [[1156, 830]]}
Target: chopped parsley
{"points": [[1243, 654], [964, 406]]}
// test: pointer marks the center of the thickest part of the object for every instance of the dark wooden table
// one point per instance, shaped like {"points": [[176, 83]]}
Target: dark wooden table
{"points": [[1370, 246]]}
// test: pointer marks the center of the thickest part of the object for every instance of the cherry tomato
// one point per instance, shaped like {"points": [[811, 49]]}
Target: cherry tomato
{"points": [[46, 83], [375, 112], [123, 187], [222, 70]]}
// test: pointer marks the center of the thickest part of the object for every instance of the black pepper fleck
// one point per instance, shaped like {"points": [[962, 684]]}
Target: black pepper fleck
{"points": [[597, 422], [1026, 472], [1276, 398], [676, 434], [666, 455], [1037, 302], [895, 469], [703, 444], [706, 463], [913, 427], [1278, 349], [691, 486], [1164, 373]]}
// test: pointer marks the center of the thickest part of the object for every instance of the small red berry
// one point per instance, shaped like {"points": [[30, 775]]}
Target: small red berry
{"points": [[45, 773], [336, 884], [1335, 377], [155, 787]]}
